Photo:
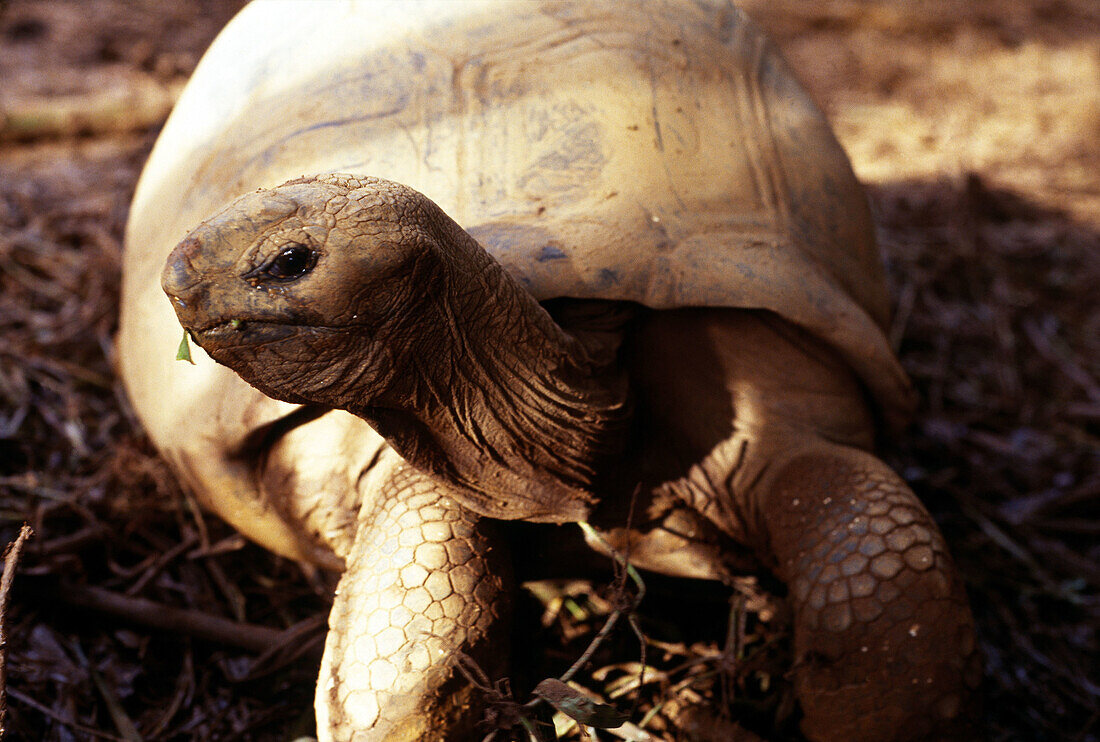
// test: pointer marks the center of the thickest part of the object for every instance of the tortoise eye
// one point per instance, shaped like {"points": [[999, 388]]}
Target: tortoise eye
{"points": [[293, 261]]}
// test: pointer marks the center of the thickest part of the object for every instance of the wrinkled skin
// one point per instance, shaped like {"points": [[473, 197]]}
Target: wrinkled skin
{"points": [[360, 294], [366, 331]]}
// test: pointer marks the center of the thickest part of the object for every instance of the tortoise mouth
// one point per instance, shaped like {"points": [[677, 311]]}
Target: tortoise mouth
{"points": [[237, 332]]}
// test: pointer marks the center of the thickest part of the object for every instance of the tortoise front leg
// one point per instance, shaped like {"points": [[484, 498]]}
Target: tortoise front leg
{"points": [[423, 579], [883, 636]]}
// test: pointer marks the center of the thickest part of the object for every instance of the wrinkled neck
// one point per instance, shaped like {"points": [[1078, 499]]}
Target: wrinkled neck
{"points": [[501, 403]]}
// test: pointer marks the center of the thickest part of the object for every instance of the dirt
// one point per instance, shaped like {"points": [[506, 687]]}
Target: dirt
{"points": [[976, 127]]}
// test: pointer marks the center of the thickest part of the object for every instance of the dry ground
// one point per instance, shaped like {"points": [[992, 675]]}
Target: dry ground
{"points": [[976, 126]]}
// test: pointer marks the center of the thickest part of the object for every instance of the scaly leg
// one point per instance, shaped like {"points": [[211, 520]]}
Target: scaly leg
{"points": [[423, 579], [883, 636]]}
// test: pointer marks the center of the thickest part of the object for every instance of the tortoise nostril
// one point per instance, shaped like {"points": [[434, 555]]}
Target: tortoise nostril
{"points": [[180, 274]]}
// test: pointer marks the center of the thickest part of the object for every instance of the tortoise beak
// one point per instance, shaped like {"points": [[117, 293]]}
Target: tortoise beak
{"points": [[182, 281]]}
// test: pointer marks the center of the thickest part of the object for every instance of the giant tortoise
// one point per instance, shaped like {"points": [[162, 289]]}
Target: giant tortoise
{"points": [[544, 261]]}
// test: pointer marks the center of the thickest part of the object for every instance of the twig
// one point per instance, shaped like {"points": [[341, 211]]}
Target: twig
{"points": [[159, 563], [733, 651], [72, 542], [1061, 358], [637, 578], [592, 646], [69, 723], [123, 723], [184, 694], [614, 617], [607, 627], [294, 642], [11, 560], [632, 619], [181, 620]]}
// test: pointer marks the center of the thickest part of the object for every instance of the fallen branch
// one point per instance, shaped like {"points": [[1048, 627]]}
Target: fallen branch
{"points": [[180, 620], [11, 561]]}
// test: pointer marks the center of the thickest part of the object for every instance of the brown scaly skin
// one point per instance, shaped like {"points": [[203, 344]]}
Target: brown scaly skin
{"points": [[878, 603], [392, 312]]}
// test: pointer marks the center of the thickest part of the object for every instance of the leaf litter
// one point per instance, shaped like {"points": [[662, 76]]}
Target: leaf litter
{"points": [[977, 129]]}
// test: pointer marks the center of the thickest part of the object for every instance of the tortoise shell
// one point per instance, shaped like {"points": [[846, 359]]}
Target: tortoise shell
{"points": [[665, 157]]}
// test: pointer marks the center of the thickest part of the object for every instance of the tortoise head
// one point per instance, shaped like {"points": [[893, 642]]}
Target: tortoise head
{"points": [[308, 285]]}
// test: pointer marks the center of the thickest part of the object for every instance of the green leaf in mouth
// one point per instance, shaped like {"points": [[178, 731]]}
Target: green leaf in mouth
{"points": [[183, 353]]}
